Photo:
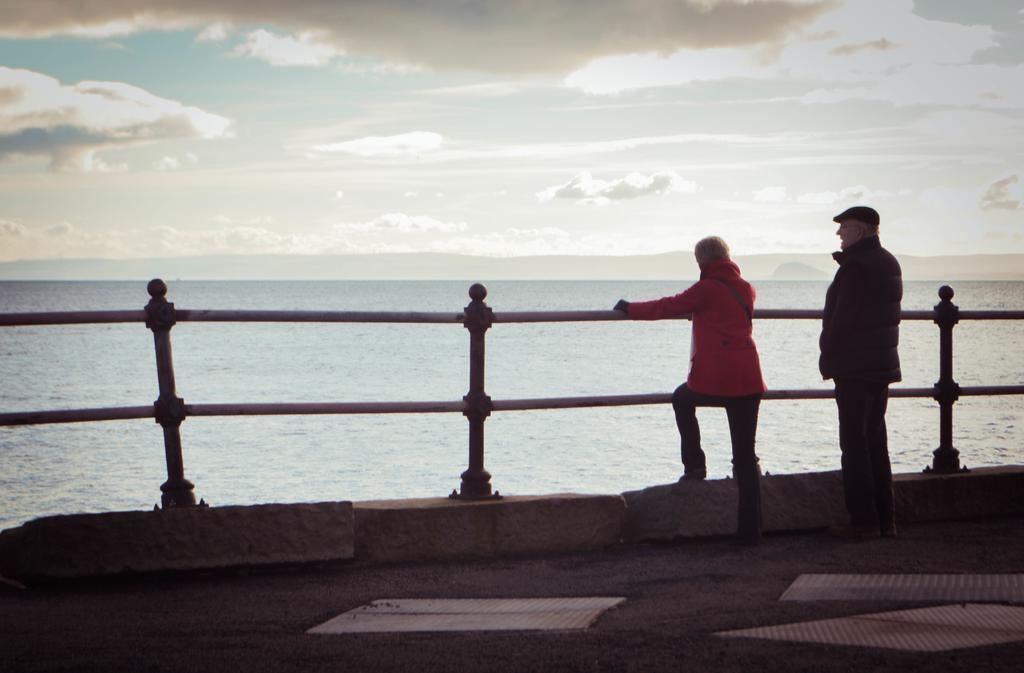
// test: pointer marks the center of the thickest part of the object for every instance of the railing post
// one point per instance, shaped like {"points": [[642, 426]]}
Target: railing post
{"points": [[478, 317], [947, 391], [169, 409]]}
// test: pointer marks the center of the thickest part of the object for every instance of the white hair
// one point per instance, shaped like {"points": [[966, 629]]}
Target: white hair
{"points": [[710, 249]]}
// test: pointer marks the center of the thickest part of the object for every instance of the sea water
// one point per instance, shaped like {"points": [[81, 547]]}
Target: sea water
{"points": [[117, 465]]}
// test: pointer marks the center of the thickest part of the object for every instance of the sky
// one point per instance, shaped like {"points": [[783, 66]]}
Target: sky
{"points": [[157, 128]]}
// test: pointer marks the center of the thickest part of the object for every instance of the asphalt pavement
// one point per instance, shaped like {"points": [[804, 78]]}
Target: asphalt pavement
{"points": [[678, 595]]}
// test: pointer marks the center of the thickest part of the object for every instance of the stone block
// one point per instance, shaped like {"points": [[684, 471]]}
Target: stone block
{"points": [[199, 538], [685, 509], [984, 491], [442, 528], [803, 501], [815, 500], [708, 508]]}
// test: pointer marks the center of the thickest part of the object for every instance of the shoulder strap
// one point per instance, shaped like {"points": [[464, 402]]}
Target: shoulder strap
{"points": [[739, 300]]}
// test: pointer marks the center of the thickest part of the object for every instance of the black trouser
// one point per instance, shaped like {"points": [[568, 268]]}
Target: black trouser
{"points": [[867, 474], [742, 414]]}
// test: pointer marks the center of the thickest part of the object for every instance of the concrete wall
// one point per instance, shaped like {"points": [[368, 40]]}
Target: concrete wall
{"points": [[441, 528], [815, 500], [199, 538], [87, 545]]}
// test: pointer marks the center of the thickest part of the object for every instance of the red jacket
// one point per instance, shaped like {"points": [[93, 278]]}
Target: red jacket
{"points": [[723, 356]]}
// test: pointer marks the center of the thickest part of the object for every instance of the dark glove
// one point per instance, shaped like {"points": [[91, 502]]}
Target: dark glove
{"points": [[621, 305]]}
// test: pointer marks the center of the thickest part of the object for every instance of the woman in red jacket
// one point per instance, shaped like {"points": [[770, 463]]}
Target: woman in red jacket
{"points": [[725, 371]]}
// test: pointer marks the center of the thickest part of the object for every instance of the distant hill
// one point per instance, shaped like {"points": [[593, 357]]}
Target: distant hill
{"points": [[798, 271], [437, 266]]}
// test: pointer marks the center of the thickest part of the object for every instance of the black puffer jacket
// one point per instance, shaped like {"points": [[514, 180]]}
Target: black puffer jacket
{"points": [[861, 327]]}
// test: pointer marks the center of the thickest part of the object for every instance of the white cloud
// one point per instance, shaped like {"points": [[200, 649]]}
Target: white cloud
{"points": [[818, 198], [972, 129], [864, 50], [573, 149], [989, 86], [62, 239], [590, 191], [303, 49], [378, 68], [93, 163], [167, 164], [339, 195], [480, 90], [495, 36], [215, 32], [389, 233], [850, 195], [402, 223], [431, 147], [10, 228], [405, 144], [514, 241], [614, 74], [39, 116], [775, 194], [64, 228], [1002, 195]]}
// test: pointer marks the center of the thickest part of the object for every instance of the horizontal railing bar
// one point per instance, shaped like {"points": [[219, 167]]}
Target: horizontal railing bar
{"points": [[978, 391], [213, 315], [762, 313], [70, 317], [665, 398], [590, 316], [562, 316], [216, 315], [312, 408], [579, 402], [76, 415], [991, 315], [795, 314]]}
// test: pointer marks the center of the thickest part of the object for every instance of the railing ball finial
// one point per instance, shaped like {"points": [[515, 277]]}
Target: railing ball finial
{"points": [[477, 292], [156, 288], [946, 293]]}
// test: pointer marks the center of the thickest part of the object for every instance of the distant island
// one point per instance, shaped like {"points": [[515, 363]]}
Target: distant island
{"points": [[439, 266]]}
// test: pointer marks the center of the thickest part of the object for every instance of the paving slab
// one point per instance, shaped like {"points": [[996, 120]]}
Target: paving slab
{"points": [[937, 629], [1008, 588], [393, 615]]}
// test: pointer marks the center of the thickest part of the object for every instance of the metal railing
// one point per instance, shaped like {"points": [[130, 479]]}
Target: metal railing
{"points": [[169, 410]]}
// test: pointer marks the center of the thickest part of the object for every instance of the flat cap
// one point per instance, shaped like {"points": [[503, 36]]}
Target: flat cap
{"points": [[862, 213]]}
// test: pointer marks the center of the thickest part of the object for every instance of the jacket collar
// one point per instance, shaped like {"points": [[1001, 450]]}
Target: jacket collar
{"points": [[720, 268], [863, 245]]}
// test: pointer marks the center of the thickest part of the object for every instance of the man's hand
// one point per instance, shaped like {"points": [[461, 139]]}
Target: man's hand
{"points": [[621, 305]]}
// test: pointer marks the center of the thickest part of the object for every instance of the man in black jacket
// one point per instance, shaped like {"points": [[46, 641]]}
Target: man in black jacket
{"points": [[859, 350]]}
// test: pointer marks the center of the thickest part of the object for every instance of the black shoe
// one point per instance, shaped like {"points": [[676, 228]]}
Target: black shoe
{"points": [[694, 475]]}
